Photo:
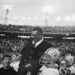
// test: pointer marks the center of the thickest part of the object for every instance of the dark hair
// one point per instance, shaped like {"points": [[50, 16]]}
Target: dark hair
{"points": [[39, 29], [6, 56]]}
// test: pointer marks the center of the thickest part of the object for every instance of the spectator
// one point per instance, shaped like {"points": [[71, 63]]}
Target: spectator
{"points": [[70, 63], [6, 69]]}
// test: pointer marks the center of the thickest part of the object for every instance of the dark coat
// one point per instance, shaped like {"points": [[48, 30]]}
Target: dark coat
{"points": [[32, 55], [9, 71]]}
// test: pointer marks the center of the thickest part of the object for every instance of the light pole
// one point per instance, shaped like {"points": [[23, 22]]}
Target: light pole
{"points": [[47, 10], [7, 8], [6, 17]]}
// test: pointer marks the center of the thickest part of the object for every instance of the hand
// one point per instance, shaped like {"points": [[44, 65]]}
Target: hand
{"points": [[28, 65]]}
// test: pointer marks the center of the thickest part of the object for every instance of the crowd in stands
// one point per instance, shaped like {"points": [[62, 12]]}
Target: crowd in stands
{"points": [[16, 45], [13, 47], [28, 28], [15, 28], [65, 47]]}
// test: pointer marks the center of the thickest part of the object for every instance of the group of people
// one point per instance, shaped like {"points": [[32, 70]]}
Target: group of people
{"points": [[38, 58], [32, 53]]}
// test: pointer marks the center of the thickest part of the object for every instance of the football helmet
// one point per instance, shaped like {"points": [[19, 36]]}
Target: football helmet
{"points": [[51, 55]]}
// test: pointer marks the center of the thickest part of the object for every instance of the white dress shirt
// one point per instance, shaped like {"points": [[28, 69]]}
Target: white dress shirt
{"points": [[15, 65], [72, 69], [38, 43]]}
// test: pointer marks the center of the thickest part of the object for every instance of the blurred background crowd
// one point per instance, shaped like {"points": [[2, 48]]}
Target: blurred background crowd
{"points": [[11, 44]]}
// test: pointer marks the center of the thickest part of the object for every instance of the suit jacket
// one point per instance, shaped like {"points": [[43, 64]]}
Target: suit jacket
{"points": [[29, 52], [32, 55]]}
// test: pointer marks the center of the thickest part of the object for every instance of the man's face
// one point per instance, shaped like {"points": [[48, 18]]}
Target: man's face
{"points": [[69, 59], [63, 63], [36, 36], [6, 61]]}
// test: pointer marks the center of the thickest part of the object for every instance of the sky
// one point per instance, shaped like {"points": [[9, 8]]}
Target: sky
{"points": [[38, 12]]}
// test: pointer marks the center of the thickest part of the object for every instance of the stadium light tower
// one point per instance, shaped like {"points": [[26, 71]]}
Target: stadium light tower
{"points": [[47, 10], [6, 8]]}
